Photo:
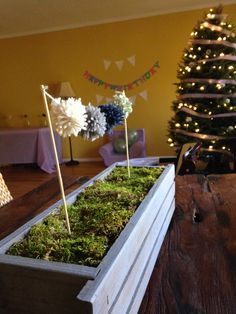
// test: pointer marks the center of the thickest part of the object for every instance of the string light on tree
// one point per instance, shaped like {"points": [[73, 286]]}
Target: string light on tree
{"points": [[207, 88]]}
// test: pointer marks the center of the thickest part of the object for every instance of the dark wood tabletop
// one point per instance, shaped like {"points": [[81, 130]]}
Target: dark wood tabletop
{"points": [[196, 269]]}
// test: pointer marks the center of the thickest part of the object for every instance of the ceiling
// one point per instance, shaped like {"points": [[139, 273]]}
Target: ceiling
{"points": [[25, 17]]}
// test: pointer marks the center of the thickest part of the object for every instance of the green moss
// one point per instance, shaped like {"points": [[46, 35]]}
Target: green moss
{"points": [[97, 217]]}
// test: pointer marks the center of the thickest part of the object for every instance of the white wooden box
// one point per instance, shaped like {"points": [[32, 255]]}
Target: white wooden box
{"points": [[116, 285]]}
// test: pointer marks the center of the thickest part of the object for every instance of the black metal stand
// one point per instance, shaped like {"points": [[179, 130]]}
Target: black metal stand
{"points": [[72, 162]]}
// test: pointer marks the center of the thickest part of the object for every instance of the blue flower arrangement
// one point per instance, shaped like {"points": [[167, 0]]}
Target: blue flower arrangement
{"points": [[114, 116]]}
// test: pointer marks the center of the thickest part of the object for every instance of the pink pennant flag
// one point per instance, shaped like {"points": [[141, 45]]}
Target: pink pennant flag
{"points": [[107, 64], [119, 64], [109, 100], [131, 60], [144, 95], [99, 98], [133, 99]]}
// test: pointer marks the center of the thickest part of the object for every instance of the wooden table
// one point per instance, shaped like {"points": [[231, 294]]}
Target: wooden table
{"points": [[196, 268]]}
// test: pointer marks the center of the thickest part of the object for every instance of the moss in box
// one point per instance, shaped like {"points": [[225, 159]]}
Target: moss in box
{"points": [[99, 214]]}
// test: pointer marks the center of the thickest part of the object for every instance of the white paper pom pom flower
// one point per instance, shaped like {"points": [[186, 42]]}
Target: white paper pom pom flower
{"points": [[96, 124], [68, 116], [121, 100]]}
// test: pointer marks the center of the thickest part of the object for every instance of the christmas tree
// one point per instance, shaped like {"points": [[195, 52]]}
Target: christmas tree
{"points": [[205, 106]]}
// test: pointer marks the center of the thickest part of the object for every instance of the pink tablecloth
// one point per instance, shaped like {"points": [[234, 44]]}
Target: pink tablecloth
{"points": [[32, 145]]}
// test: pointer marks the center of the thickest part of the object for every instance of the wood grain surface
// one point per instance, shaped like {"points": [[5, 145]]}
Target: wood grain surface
{"points": [[196, 270]]}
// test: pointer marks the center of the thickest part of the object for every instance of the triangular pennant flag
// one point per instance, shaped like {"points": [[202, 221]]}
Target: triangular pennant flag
{"points": [[119, 64], [131, 60], [107, 64], [132, 99], [99, 98], [109, 100], [144, 95]]}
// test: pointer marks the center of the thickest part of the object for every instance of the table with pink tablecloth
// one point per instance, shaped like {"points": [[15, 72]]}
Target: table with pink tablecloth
{"points": [[29, 145]]}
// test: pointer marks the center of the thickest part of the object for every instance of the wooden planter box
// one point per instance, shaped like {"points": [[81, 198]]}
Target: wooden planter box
{"points": [[116, 285]]}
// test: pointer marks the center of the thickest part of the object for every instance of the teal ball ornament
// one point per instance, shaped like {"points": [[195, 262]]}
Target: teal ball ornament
{"points": [[119, 146], [132, 136]]}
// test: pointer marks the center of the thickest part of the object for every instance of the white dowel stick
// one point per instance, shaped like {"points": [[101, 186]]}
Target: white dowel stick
{"points": [[127, 148], [44, 93], [49, 96]]}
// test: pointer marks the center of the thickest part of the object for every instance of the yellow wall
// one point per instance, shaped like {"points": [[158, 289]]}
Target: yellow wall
{"points": [[26, 62]]}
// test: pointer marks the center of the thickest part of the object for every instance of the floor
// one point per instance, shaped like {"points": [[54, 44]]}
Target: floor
{"points": [[20, 179]]}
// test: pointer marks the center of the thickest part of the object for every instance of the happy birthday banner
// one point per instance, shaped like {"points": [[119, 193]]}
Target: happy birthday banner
{"points": [[115, 87]]}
